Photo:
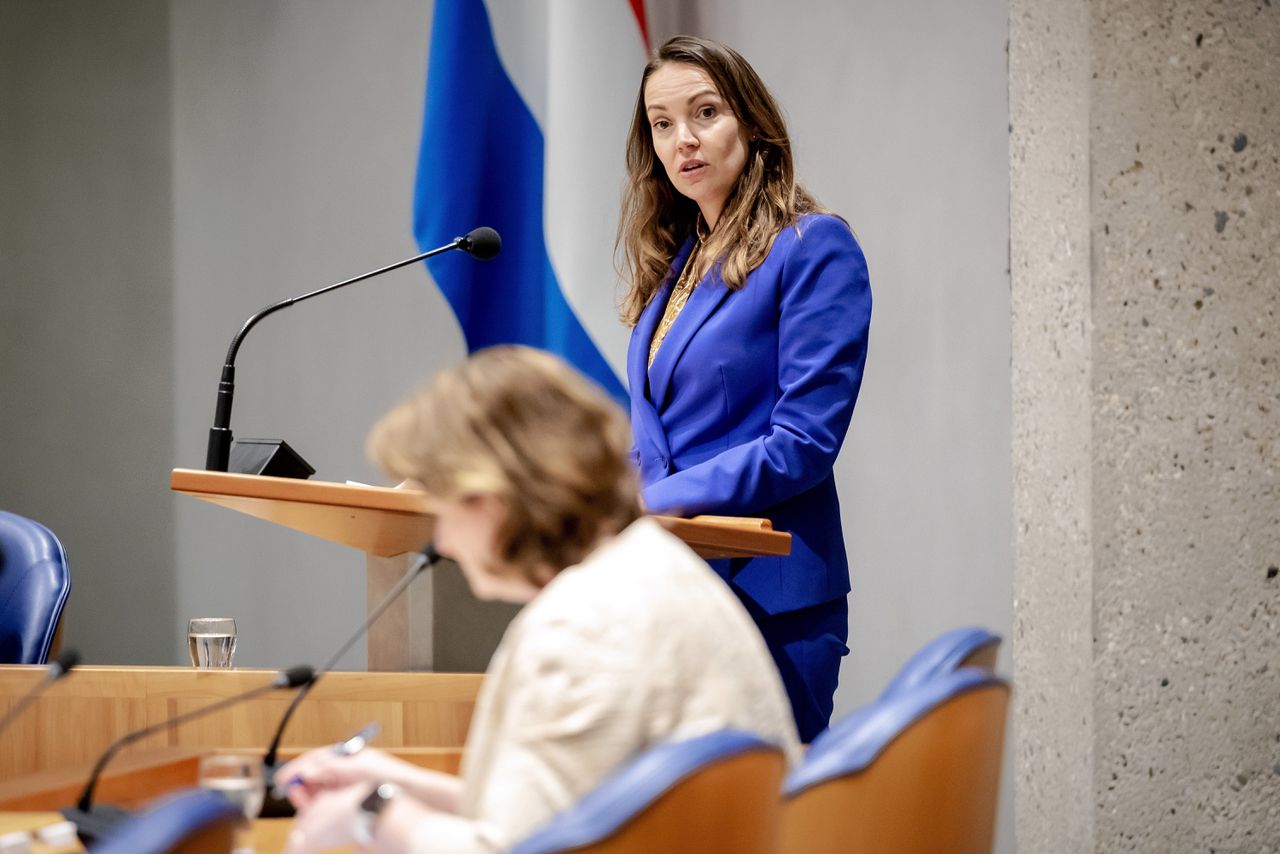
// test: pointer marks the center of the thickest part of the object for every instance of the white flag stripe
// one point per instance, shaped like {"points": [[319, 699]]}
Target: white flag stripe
{"points": [[577, 64]]}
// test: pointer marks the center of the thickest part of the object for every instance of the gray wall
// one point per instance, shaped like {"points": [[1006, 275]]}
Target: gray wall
{"points": [[86, 339]]}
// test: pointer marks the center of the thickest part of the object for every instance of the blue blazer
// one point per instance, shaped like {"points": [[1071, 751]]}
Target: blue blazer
{"points": [[748, 401]]}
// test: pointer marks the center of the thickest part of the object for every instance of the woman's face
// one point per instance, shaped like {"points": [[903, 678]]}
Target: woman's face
{"points": [[467, 532], [701, 143]]}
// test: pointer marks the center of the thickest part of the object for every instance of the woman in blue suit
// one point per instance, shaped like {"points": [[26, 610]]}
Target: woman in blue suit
{"points": [[750, 307]]}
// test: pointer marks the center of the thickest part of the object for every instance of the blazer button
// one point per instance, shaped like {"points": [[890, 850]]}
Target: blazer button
{"points": [[660, 461]]}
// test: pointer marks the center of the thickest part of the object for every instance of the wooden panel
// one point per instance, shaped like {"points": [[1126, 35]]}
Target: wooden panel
{"points": [[80, 716]]}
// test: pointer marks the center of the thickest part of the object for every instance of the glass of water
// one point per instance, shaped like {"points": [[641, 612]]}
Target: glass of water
{"points": [[238, 777], [211, 641]]}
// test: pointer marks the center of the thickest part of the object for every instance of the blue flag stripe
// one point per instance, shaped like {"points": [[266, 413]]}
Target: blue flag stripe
{"points": [[481, 163]]}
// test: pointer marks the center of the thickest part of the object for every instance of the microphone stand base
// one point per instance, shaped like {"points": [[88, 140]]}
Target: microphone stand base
{"points": [[269, 458], [272, 806], [97, 822]]}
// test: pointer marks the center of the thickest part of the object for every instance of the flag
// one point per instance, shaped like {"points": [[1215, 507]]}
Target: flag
{"points": [[528, 105]]}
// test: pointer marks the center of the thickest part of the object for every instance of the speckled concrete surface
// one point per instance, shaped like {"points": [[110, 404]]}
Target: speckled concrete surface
{"points": [[1052, 713], [1186, 364], [1175, 709]]}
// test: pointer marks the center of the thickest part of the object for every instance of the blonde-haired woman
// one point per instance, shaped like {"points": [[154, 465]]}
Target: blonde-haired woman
{"points": [[750, 308], [626, 639]]}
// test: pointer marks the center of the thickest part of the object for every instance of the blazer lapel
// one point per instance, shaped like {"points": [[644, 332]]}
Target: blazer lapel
{"points": [[638, 352], [649, 425], [703, 302]]}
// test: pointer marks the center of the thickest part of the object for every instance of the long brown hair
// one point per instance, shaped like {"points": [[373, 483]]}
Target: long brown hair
{"points": [[520, 424], [656, 219]]}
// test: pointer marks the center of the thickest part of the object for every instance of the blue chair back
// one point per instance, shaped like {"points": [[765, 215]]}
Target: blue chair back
{"points": [[853, 743], [914, 772], [190, 820], [944, 654], [746, 800], [34, 586]]}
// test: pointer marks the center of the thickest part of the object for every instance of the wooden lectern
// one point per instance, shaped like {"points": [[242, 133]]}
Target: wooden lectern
{"points": [[389, 524]]}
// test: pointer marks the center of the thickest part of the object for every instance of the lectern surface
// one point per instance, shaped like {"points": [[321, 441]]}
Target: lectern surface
{"points": [[388, 522]]}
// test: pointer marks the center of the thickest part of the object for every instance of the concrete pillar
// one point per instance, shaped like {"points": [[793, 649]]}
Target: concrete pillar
{"points": [[1052, 714], [1145, 156]]}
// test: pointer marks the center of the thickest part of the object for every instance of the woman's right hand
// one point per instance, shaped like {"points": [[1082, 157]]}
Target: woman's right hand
{"points": [[323, 770]]}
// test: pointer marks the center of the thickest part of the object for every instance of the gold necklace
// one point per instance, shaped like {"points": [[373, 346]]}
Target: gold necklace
{"points": [[675, 303]]}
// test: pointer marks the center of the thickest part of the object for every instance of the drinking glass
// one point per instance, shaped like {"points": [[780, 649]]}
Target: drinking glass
{"points": [[211, 641], [239, 778]]}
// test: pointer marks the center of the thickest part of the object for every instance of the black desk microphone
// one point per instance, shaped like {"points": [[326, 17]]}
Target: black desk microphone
{"points": [[273, 807], [482, 243], [92, 822]]}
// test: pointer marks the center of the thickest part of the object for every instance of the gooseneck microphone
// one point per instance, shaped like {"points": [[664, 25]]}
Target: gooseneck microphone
{"points": [[60, 667], [92, 823], [482, 243], [426, 558]]}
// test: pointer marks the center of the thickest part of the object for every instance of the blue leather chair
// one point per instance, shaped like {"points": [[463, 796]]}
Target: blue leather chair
{"points": [[34, 586], [917, 771], [717, 792], [192, 821], [964, 647]]}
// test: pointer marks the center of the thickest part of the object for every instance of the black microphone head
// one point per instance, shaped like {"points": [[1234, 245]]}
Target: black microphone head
{"points": [[482, 243], [295, 677], [62, 665]]}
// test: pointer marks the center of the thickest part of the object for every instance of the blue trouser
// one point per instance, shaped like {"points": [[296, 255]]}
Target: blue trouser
{"points": [[807, 646]]}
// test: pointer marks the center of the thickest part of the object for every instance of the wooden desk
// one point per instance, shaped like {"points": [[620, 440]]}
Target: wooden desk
{"points": [[32, 802], [30, 822], [269, 834], [78, 717], [133, 779]]}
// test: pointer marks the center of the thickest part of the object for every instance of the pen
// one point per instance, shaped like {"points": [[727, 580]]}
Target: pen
{"points": [[349, 747]]}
